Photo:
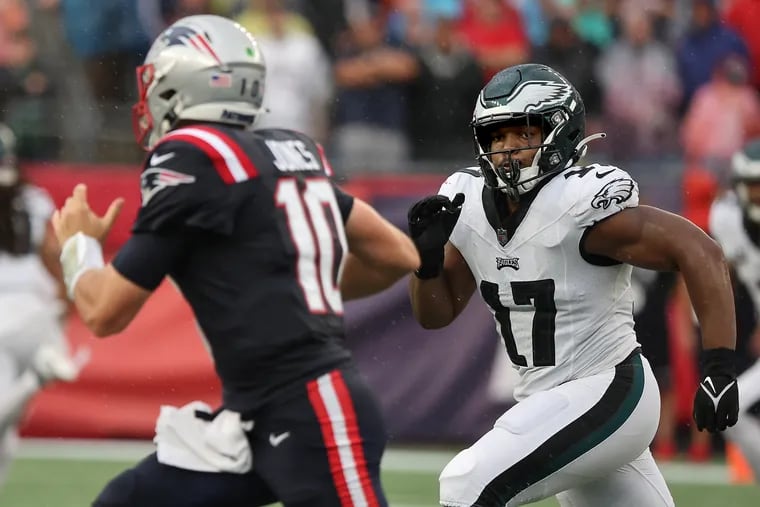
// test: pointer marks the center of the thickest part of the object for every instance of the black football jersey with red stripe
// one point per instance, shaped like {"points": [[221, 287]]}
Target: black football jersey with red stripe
{"points": [[267, 247]]}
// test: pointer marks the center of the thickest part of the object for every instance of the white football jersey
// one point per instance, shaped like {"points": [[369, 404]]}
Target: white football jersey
{"points": [[26, 273], [561, 316], [727, 227]]}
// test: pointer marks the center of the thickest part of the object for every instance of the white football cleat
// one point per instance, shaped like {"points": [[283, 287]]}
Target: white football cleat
{"points": [[51, 363]]}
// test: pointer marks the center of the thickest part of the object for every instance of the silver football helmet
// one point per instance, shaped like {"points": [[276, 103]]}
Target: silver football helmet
{"points": [[201, 68]]}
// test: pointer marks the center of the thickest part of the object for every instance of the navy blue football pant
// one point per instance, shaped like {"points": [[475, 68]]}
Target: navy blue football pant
{"points": [[319, 449]]}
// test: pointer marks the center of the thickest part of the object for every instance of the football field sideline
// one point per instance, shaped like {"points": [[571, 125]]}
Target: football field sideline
{"points": [[396, 459]]}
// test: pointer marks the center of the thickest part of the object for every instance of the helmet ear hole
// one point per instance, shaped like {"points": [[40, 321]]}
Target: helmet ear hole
{"points": [[168, 94]]}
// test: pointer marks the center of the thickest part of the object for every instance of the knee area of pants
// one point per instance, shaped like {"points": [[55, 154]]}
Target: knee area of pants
{"points": [[455, 477]]}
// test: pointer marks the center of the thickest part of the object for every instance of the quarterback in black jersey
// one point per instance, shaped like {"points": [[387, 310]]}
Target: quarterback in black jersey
{"points": [[265, 248]]}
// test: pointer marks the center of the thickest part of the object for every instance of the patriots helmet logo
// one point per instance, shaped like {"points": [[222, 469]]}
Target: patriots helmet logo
{"points": [[615, 192], [155, 179], [534, 95], [189, 37], [179, 36]]}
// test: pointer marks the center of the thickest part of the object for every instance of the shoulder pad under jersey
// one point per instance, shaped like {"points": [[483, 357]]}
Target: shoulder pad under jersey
{"points": [[598, 191], [187, 178]]}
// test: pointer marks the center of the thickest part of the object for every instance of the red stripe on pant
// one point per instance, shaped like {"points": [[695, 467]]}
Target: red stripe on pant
{"points": [[327, 425], [352, 427]]}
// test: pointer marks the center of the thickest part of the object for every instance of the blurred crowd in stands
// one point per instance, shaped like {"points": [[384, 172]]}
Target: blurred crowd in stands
{"points": [[389, 85]]}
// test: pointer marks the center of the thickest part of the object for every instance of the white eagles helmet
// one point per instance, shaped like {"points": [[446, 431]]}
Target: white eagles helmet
{"points": [[201, 68], [745, 166]]}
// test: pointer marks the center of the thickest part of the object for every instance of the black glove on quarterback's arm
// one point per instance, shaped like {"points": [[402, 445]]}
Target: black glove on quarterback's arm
{"points": [[716, 404], [431, 221]]}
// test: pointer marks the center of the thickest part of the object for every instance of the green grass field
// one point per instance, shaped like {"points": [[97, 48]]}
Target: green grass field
{"points": [[410, 480]]}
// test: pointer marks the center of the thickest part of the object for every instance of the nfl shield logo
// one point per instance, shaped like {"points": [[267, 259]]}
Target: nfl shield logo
{"points": [[502, 236]]}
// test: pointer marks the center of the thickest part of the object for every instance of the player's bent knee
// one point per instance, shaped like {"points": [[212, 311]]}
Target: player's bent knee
{"points": [[120, 492], [455, 481]]}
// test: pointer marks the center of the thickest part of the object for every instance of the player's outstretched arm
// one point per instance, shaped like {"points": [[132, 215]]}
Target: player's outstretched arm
{"points": [[443, 283], [105, 300], [652, 238], [379, 253]]}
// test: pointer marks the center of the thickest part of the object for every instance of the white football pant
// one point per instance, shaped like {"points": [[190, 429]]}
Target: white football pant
{"points": [[26, 321], [586, 441]]}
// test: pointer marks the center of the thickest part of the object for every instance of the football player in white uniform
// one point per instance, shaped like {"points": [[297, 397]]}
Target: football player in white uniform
{"points": [[32, 345], [735, 224], [549, 246]]}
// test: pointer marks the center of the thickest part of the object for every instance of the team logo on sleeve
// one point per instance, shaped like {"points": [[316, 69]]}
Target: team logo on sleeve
{"points": [[155, 179], [615, 192]]}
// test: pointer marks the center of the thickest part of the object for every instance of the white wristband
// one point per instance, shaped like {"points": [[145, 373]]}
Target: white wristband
{"points": [[79, 254]]}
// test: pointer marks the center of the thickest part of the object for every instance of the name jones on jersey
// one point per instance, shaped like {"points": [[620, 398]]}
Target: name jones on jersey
{"points": [[292, 155]]}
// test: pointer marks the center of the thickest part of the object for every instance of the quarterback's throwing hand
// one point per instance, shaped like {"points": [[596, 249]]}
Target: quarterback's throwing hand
{"points": [[76, 216], [716, 403], [431, 221]]}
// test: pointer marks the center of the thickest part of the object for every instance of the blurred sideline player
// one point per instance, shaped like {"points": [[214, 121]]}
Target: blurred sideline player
{"points": [[735, 224], [651, 293], [265, 248], [653, 333], [32, 300], [549, 245]]}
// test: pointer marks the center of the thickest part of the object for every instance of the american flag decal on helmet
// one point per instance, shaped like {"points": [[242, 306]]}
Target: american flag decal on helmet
{"points": [[220, 81], [155, 179]]}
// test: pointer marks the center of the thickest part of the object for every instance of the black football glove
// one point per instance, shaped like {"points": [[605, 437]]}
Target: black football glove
{"points": [[431, 221], [716, 404]]}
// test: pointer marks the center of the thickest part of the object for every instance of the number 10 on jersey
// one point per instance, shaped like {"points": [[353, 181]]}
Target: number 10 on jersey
{"points": [[315, 223]]}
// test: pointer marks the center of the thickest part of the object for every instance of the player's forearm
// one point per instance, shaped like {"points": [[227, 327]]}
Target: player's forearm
{"points": [[707, 279], [89, 299], [404, 257], [361, 279], [432, 302]]}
